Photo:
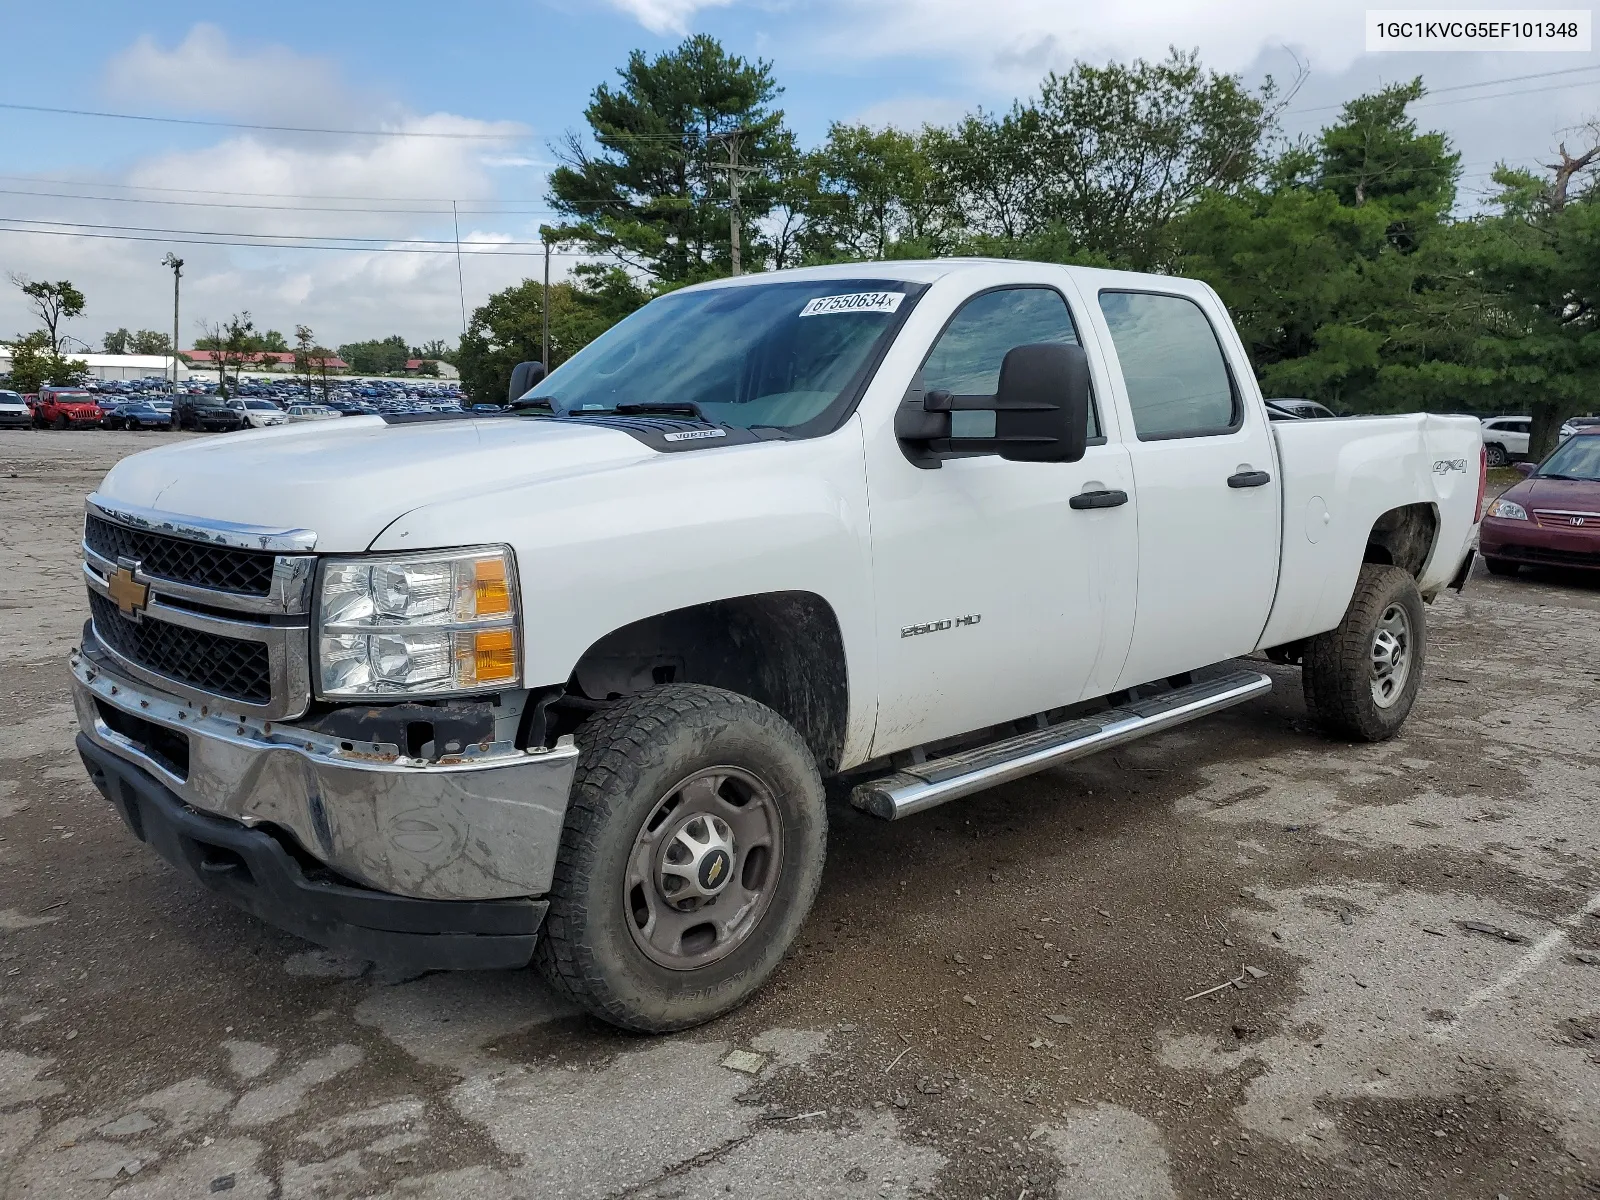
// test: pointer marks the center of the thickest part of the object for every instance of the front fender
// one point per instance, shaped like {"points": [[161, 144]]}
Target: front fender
{"points": [[603, 549]]}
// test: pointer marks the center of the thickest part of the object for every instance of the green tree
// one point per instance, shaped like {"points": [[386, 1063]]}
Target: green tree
{"points": [[34, 363], [149, 341], [273, 341], [1539, 257], [1121, 151], [873, 193], [508, 327], [654, 196], [437, 349], [116, 342], [1349, 292], [380, 356], [236, 345], [311, 360], [55, 303]]}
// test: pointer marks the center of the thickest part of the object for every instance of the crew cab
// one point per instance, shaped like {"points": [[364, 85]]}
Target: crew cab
{"points": [[564, 682], [66, 408]]}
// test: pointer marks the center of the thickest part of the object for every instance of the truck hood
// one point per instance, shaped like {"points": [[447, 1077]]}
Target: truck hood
{"points": [[348, 479]]}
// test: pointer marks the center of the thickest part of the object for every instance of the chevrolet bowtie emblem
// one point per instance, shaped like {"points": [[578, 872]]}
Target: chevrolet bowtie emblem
{"points": [[128, 592]]}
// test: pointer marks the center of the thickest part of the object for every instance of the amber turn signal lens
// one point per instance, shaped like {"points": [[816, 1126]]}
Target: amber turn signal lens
{"points": [[491, 595], [494, 655]]}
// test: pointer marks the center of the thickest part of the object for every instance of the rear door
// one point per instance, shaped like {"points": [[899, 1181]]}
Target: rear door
{"points": [[1205, 478]]}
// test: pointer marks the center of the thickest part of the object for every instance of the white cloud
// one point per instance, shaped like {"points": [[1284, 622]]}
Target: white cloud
{"points": [[344, 295], [666, 16]]}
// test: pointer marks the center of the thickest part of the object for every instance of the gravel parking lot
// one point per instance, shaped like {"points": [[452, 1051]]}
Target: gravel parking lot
{"points": [[989, 1000]]}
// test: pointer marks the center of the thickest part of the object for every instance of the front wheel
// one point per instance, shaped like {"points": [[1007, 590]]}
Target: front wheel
{"points": [[1361, 678], [692, 851], [62, 423]]}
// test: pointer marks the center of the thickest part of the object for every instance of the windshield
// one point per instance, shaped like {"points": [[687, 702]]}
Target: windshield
{"points": [[1576, 458], [789, 356]]}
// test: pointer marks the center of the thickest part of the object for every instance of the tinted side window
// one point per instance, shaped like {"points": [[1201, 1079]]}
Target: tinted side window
{"points": [[966, 359], [1177, 379]]}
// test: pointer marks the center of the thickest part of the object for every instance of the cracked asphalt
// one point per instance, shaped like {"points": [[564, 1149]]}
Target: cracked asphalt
{"points": [[1009, 997]]}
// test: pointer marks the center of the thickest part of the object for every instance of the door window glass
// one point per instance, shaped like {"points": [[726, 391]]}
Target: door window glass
{"points": [[966, 359], [1177, 380]]}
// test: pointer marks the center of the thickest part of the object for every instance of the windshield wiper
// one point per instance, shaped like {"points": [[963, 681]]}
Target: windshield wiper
{"points": [[669, 408], [1553, 475]]}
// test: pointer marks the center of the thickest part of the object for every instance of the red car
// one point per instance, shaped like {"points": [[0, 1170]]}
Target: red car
{"points": [[66, 408], [1551, 518]]}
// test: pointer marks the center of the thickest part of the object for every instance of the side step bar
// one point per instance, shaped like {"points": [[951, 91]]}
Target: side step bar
{"points": [[939, 779]]}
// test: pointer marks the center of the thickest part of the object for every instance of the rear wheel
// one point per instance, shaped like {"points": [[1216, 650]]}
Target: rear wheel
{"points": [[1361, 678], [1501, 566], [693, 848], [1497, 456]]}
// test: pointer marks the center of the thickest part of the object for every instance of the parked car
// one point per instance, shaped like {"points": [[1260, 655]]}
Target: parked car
{"points": [[1292, 408], [208, 414], [1551, 518], [259, 413], [312, 412], [66, 408], [1506, 438], [138, 414], [14, 411], [587, 669]]}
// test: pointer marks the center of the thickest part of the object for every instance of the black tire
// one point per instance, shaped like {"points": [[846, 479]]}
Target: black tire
{"points": [[62, 422], [632, 756], [1501, 566], [1496, 455], [1340, 680]]}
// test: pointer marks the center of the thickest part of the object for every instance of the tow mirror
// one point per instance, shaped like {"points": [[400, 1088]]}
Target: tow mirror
{"points": [[523, 376], [1525, 469], [1041, 411]]}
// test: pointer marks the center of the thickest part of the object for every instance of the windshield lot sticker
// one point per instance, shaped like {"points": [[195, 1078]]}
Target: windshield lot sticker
{"points": [[694, 435], [886, 302]]}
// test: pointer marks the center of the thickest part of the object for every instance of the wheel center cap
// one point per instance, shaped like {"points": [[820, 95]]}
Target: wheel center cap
{"points": [[714, 871]]}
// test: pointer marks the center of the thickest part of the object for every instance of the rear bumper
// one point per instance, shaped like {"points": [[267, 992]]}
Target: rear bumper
{"points": [[256, 872]]}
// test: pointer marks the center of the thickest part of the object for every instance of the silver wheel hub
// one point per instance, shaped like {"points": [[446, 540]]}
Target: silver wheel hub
{"points": [[1391, 654], [703, 868], [697, 860]]}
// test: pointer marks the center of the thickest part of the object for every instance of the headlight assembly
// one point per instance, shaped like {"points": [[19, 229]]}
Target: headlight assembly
{"points": [[441, 622], [1508, 510]]}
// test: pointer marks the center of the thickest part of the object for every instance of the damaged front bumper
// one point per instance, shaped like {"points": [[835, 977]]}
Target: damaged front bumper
{"points": [[329, 837]]}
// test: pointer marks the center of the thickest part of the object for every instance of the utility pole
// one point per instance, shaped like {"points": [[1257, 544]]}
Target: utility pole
{"points": [[734, 171], [176, 264], [544, 304]]}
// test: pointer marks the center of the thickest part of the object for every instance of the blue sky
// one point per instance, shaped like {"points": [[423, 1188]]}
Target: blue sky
{"points": [[524, 70]]}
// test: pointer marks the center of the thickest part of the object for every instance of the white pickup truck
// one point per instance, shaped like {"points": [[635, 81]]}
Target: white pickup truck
{"points": [[564, 684]]}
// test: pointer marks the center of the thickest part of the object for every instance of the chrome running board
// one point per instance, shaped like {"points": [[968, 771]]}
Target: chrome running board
{"points": [[931, 783]]}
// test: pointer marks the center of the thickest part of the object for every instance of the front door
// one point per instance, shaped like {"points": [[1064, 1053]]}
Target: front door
{"points": [[1205, 473], [996, 598]]}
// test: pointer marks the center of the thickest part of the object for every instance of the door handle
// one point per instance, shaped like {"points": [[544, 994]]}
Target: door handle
{"points": [[1246, 479], [1101, 499]]}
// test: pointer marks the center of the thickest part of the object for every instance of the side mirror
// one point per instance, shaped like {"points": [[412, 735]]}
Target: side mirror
{"points": [[524, 376], [1525, 469], [1041, 411]]}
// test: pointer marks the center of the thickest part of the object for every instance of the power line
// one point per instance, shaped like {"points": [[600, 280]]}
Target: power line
{"points": [[243, 233], [1462, 87], [185, 241], [488, 212], [399, 133]]}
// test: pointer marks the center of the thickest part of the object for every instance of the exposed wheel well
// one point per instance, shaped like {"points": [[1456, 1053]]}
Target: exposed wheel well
{"points": [[781, 648], [1403, 537]]}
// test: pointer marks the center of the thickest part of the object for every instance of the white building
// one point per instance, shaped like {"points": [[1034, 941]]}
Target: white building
{"points": [[111, 366]]}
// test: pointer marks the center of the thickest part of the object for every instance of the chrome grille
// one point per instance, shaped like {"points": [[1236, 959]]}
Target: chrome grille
{"points": [[224, 611], [223, 666], [222, 568]]}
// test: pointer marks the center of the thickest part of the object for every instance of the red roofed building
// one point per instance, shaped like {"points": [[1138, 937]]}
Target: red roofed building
{"points": [[272, 360]]}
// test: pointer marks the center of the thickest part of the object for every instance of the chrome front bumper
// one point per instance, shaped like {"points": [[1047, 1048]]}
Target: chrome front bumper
{"points": [[481, 825]]}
